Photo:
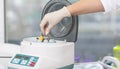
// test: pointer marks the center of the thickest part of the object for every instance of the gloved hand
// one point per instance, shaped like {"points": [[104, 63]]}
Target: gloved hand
{"points": [[53, 18]]}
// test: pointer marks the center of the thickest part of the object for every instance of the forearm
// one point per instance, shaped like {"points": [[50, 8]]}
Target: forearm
{"points": [[86, 6]]}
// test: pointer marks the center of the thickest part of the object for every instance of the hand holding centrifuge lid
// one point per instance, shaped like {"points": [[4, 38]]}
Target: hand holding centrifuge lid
{"points": [[81, 7]]}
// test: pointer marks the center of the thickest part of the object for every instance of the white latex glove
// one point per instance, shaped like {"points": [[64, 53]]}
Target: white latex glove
{"points": [[53, 18]]}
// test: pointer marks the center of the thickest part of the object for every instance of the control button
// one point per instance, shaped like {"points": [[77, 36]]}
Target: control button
{"points": [[32, 64], [35, 60], [24, 62], [32, 58], [28, 63], [16, 61]]}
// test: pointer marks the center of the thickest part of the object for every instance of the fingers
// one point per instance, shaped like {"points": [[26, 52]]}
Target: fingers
{"points": [[43, 24], [45, 27], [48, 29]]}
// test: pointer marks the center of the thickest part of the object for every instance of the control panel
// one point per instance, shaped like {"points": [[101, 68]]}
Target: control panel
{"points": [[25, 60]]}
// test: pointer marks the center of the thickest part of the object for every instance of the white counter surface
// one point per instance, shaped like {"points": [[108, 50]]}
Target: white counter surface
{"points": [[4, 61]]}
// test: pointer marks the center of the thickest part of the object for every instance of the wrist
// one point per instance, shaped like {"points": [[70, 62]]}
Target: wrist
{"points": [[64, 12]]}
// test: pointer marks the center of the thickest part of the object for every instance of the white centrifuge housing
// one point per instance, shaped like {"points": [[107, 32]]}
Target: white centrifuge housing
{"points": [[52, 55]]}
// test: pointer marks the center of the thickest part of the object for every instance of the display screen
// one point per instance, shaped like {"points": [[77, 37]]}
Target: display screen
{"points": [[26, 58], [19, 57]]}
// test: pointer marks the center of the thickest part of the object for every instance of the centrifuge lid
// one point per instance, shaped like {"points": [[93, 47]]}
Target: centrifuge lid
{"points": [[67, 29]]}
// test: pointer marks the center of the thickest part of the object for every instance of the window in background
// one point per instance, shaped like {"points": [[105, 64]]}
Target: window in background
{"points": [[22, 19], [96, 36]]}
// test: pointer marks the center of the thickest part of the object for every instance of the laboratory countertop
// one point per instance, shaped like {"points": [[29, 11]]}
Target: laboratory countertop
{"points": [[91, 65]]}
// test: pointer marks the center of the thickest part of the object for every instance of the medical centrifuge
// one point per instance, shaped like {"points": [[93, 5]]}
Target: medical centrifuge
{"points": [[56, 53]]}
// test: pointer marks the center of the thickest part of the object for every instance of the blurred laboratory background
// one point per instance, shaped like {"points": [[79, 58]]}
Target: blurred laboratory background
{"points": [[97, 35]]}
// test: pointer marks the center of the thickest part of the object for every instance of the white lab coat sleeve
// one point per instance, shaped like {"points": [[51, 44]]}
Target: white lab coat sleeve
{"points": [[110, 5]]}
